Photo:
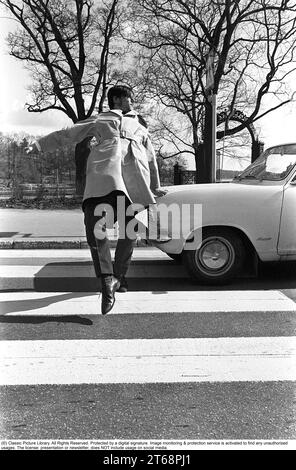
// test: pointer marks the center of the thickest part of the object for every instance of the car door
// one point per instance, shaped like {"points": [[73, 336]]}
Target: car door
{"points": [[287, 235]]}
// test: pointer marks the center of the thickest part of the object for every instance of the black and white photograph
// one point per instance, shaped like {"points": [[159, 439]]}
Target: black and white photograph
{"points": [[147, 227]]}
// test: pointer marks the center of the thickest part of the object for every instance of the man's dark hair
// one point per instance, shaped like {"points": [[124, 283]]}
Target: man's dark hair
{"points": [[119, 91]]}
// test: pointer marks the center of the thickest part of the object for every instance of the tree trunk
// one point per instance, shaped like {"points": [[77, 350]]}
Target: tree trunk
{"points": [[82, 151], [204, 170], [200, 163], [257, 149]]}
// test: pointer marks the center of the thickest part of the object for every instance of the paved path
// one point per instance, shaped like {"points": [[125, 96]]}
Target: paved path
{"points": [[33, 228], [34, 223]]}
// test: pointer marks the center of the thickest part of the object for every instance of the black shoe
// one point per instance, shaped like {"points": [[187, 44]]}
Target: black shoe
{"points": [[123, 284], [110, 284]]}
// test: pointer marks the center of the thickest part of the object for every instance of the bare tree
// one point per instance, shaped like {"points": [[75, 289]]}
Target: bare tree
{"points": [[66, 45], [242, 50]]}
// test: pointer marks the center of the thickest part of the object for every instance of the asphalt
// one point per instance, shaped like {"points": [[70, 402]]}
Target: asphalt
{"points": [[55, 243], [46, 229], [165, 322], [197, 411], [37, 223]]}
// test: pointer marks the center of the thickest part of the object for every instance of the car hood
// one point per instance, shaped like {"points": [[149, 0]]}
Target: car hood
{"points": [[218, 193]]}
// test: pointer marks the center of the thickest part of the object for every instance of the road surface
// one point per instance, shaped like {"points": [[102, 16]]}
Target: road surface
{"points": [[172, 361]]}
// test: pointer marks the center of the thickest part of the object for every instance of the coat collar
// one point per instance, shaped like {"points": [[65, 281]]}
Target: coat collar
{"points": [[116, 111], [131, 113]]}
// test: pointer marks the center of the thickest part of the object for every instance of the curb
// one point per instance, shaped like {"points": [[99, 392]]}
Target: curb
{"points": [[53, 243]]}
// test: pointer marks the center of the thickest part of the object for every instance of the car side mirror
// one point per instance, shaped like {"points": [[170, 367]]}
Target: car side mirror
{"points": [[293, 182]]}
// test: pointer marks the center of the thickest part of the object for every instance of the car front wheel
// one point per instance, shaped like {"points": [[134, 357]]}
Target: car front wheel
{"points": [[218, 259]]}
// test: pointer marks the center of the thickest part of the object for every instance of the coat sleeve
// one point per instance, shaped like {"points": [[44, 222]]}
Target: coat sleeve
{"points": [[69, 136], [154, 173]]}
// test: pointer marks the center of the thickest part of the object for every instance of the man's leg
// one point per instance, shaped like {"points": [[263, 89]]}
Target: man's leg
{"points": [[122, 260], [99, 247], [125, 244], [100, 252]]}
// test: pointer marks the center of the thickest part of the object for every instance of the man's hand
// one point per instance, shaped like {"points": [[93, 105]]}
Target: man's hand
{"points": [[158, 192], [32, 149]]}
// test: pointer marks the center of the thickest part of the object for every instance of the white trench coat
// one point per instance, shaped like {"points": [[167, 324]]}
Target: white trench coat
{"points": [[122, 159]]}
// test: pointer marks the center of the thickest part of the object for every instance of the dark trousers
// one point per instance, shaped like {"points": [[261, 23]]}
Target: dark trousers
{"points": [[95, 227]]}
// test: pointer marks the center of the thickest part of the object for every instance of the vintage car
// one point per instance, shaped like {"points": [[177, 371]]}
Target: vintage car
{"points": [[249, 219]]}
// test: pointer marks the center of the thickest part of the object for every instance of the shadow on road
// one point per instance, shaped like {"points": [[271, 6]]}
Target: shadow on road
{"points": [[270, 276], [8, 234], [35, 319], [13, 306], [56, 277]]}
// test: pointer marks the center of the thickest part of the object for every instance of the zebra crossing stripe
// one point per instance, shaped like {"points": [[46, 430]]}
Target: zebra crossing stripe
{"points": [[148, 360], [71, 303]]}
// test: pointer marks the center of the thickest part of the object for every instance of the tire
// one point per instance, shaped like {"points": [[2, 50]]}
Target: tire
{"points": [[219, 258]]}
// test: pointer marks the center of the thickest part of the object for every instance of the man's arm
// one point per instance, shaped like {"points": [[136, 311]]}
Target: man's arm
{"points": [[153, 167], [72, 135]]}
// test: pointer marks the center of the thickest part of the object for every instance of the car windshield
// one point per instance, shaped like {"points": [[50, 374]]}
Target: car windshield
{"points": [[274, 164]]}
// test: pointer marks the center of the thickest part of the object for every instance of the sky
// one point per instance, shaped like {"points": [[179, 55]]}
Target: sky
{"points": [[276, 128], [14, 81]]}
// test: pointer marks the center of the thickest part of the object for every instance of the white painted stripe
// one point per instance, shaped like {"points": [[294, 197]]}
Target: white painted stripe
{"points": [[141, 302], [30, 254], [148, 361], [51, 270], [74, 254], [45, 271]]}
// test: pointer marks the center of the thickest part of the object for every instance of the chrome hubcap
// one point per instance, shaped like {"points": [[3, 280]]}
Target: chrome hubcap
{"points": [[216, 254]]}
